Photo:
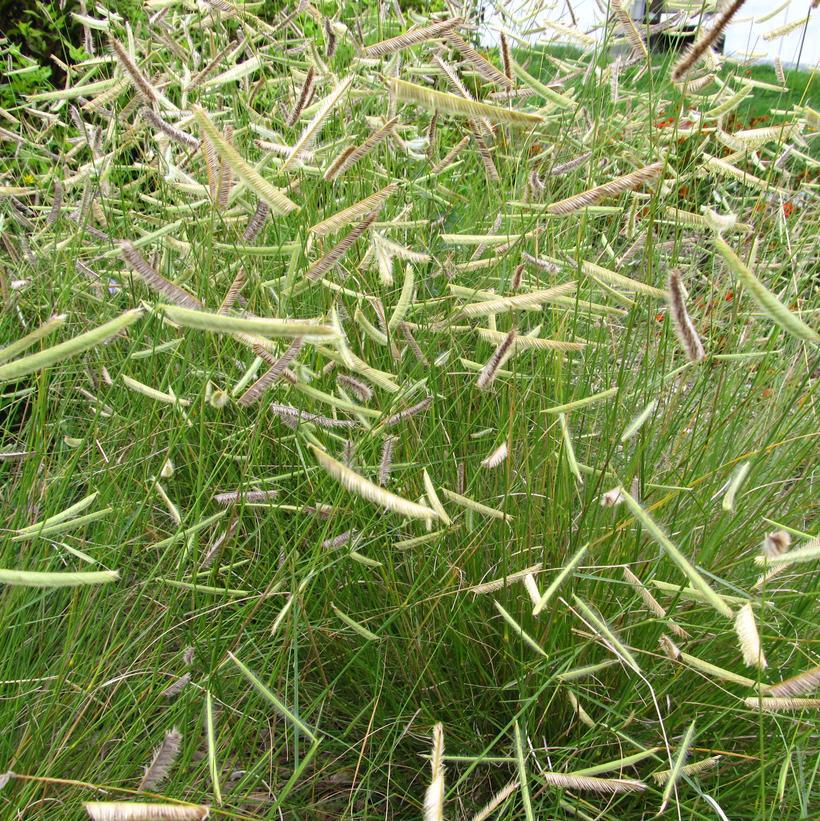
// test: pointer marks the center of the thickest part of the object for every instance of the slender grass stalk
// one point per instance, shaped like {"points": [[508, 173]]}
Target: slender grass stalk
{"points": [[606, 633], [675, 773], [520, 631], [210, 732], [523, 777]]}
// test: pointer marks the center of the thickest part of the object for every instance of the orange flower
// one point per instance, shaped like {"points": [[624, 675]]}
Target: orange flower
{"points": [[730, 295], [788, 209]]}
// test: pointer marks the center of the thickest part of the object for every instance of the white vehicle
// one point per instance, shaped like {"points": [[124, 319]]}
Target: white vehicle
{"points": [[673, 24]]}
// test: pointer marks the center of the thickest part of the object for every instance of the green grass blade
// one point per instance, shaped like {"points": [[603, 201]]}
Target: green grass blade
{"points": [[566, 571], [698, 582], [210, 732], [278, 705], [523, 778]]}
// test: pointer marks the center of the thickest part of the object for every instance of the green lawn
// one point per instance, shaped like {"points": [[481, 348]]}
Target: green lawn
{"points": [[802, 84]]}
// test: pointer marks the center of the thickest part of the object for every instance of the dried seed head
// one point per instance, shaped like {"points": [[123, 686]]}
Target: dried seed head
{"points": [[164, 758], [234, 497], [669, 647], [434, 797], [797, 685], [684, 328], [719, 222], [690, 57], [139, 811], [219, 399], [449, 157], [500, 355], [612, 497], [496, 457], [295, 415], [156, 281], [304, 97], [176, 686], [176, 134], [363, 392], [776, 543], [746, 629], [341, 539], [608, 786], [775, 705], [256, 222], [408, 412], [387, 459], [278, 368], [627, 182], [138, 79]]}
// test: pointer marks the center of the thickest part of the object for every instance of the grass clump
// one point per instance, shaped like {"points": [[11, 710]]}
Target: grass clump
{"points": [[363, 389]]}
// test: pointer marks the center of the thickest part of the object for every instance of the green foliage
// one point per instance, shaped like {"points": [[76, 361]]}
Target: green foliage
{"points": [[23, 76], [39, 29]]}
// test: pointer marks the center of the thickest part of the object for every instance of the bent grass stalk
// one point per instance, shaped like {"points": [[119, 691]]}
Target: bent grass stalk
{"points": [[697, 580], [768, 302], [32, 578], [363, 487], [65, 350], [274, 198], [277, 704], [523, 777]]}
